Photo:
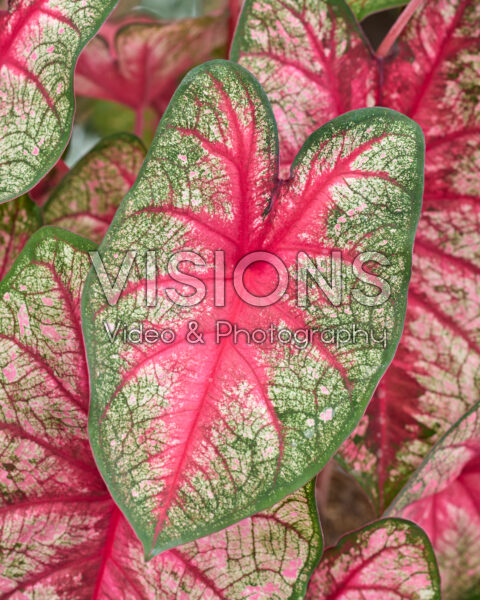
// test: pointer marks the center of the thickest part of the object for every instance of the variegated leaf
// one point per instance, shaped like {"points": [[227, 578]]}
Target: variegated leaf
{"points": [[310, 57], [18, 220], [192, 437], [140, 63], [443, 497], [86, 199], [269, 555], [61, 535], [433, 78], [390, 559], [40, 41]]}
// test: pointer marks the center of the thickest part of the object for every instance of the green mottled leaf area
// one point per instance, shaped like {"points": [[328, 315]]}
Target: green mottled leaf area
{"points": [[86, 199], [391, 558], [192, 438], [40, 41]]}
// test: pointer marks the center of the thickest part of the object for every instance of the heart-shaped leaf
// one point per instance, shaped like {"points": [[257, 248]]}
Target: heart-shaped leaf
{"points": [[190, 441], [61, 535], [390, 559], [18, 220], [434, 376], [86, 199], [40, 41], [139, 64], [443, 497]]}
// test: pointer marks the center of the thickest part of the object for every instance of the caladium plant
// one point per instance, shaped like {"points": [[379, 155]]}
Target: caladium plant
{"points": [[314, 63], [140, 62], [187, 441], [191, 439], [392, 559], [61, 535], [87, 197], [40, 41], [443, 498]]}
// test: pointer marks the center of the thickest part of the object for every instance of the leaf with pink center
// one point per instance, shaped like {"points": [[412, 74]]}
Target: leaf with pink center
{"points": [[391, 559], [443, 497], [18, 221], [40, 41], [193, 437], [61, 535], [432, 76], [140, 64], [86, 199]]}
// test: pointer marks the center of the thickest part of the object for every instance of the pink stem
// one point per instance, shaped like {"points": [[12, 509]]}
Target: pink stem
{"points": [[397, 28], [62, 166], [235, 7]]}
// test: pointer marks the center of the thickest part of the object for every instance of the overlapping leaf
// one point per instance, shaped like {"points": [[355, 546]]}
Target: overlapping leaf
{"points": [[18, 220], [311, 59], [192, 437], [61, 536], [391, 559], [86, 199], [443, 497], [433, 78], [40, 41], [140, 64]]}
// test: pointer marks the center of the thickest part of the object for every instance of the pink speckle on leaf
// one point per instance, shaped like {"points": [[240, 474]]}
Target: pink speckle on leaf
{"points": [[50, 48], [292, 569], [36, 150], [23, 320], [10, 372], [326, 415], [50, 332]]}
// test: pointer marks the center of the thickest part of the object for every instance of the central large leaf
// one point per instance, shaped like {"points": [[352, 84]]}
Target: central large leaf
{"points": [[191, 437]]}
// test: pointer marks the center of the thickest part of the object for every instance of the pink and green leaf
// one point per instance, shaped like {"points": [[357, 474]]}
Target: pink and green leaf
{"points": [[40, 41], [19, 219], [190, 442], [433, 78], [140, 64], [311, 59], [86, 199], [269, 555], [391, 559], [443, 497]]}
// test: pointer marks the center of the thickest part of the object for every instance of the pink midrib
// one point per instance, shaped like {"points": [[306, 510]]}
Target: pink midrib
{"points": [[107, 549]]}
